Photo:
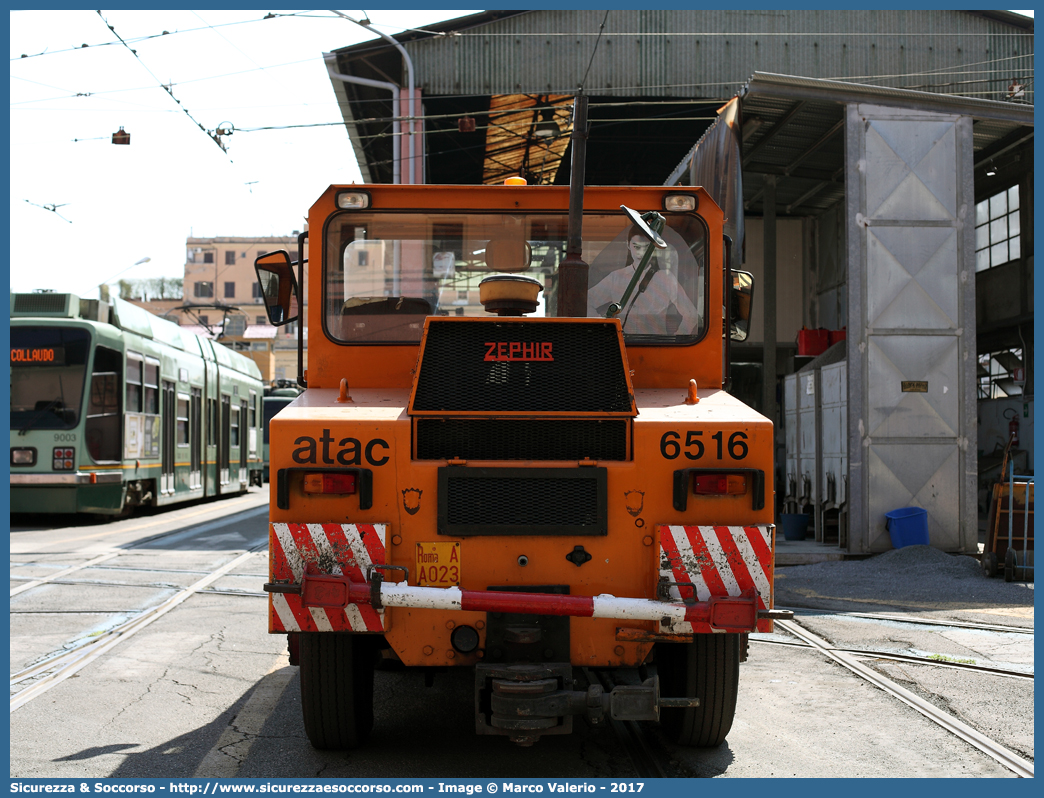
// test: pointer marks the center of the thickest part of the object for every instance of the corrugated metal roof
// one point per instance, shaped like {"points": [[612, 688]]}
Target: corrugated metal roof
{"points": [[767, 84], [655, 55], [793, 129], [709, 53]]}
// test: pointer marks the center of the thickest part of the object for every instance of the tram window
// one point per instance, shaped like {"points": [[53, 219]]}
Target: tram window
{"points": [[246, 433], [183, 420], [196, 430], [134, 373], [102, 431], [234, 434], [212, 422], [151, 385]]}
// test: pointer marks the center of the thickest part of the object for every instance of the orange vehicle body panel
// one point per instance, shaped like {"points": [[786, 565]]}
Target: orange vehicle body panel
{"points": [[318, 430]]}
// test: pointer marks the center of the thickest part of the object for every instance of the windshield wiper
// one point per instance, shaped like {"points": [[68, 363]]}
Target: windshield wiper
{"points": [[651, 224]]}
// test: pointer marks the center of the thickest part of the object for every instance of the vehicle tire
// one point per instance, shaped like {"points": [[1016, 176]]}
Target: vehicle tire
{"points": [[1009, 565], [337, 688], [989, 564], [708, 669]]}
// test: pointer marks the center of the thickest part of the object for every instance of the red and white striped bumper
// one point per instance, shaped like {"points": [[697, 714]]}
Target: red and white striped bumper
{"points": [[348, 549], [720, 580], [699, 562]]}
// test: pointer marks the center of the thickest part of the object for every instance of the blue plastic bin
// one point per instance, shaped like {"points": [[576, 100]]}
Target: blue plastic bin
{"points": [[907, 526], [795, 525]]}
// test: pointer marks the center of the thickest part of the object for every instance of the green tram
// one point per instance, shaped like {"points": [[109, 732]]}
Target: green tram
{"points": [[113, 408]]}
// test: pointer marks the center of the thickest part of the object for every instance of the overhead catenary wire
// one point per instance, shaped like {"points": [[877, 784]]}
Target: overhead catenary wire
{"points": [[138, 39], [530, 34], [601, 30], [1000, 66], [719, 33], [520, 125], [937, 71], [216, 139]]}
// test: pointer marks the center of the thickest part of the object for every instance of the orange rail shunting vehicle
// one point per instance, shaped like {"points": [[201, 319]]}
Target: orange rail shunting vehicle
{"points": [[484, 471]]}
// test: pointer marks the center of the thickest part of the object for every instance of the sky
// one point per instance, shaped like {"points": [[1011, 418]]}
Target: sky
{"points": [[127, 203]]}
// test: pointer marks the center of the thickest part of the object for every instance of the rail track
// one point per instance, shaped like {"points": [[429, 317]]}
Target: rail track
{"points": [[991, 748], [911, 658], [878, 616], [54, 670]]}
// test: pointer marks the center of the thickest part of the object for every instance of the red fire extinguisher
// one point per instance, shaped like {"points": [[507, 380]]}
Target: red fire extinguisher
{"points": [[1013, 426]]}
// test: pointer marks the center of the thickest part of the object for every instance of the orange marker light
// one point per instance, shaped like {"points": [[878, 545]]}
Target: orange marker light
{"points": [[515, 181], [720, 484], [329, 483]]}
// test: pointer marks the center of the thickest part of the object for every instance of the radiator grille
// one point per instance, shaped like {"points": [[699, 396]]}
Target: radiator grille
{"points": [[517, 501], [586, 374], [521, 439]]}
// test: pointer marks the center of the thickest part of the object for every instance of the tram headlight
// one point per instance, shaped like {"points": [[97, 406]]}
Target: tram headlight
{"points": [[25, 456]]}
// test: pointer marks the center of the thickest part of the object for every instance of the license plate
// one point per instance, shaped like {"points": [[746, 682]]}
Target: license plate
{"points": [[438, 564]]}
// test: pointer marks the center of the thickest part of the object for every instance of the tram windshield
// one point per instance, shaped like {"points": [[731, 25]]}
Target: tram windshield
{"points": [[48, 367], [384, 272]]}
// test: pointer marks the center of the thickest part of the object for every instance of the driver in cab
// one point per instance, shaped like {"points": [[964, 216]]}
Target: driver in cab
{"points": [[658, 305]]}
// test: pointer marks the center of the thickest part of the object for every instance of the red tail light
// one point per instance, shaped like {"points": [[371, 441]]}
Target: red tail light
{"points": [[720, 484], [64, 459], [329, 483]]}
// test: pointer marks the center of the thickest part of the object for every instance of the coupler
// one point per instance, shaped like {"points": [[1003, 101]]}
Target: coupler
{"points": [[525, 701]]}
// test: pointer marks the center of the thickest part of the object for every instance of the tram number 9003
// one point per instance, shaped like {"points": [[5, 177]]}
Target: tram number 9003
{"points": [[68, 437], [671, 445]]}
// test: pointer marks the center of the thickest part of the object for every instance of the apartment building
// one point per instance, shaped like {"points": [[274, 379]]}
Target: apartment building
{"points": [[220, 272]]}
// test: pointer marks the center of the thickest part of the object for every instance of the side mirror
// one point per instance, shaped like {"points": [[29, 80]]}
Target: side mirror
{"points": [[278, 286], [741, 298]]}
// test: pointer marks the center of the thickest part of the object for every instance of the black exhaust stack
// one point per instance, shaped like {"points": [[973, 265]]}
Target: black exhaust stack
{"points": [[572, 272]]}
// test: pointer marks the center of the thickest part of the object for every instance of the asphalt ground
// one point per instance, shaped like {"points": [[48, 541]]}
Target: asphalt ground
{"points": [[915, 579], [183, 698]]}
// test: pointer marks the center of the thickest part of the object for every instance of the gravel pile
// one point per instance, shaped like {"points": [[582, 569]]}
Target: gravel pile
{"points": [[913, 576]]}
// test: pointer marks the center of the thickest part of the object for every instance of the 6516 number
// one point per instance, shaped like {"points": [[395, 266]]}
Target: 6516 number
{"points": [[671, 444]]}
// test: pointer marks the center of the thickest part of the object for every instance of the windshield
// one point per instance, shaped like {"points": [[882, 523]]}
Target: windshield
{"points": [[48, 365], [384, 272]]}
